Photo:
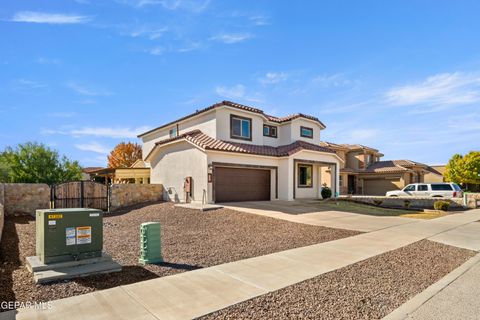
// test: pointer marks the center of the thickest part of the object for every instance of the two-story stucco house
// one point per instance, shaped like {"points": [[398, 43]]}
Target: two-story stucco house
{"points": [[233, 152]]}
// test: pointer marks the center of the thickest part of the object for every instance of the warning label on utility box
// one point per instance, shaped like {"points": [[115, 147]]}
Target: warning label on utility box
{"points": [[84, 235], [70, 236]]}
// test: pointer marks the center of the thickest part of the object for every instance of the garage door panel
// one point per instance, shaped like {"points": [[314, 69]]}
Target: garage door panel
{"points": [[239, 184], [378, 187]]}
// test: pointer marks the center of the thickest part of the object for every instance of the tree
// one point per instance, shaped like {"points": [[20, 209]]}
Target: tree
{"points": [[464, 169], [471, 163], [33, 162], [5, 171], [453, 169], [124, 155]]}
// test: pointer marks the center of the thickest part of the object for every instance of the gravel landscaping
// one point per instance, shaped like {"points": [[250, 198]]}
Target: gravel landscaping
{"points": [[369, 289], [190, 240]]}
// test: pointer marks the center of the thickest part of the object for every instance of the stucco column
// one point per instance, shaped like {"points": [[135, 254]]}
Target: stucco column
{"points": [[334, 178]]}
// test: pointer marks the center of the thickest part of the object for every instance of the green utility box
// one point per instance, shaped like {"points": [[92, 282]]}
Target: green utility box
{"points": [[68, 234], [150, 245]]}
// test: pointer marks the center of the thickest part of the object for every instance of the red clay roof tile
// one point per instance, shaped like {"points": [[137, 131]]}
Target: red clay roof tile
{"points": [[242, 107], [206, 142]]}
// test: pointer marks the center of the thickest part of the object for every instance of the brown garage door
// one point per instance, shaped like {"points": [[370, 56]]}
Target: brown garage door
{"points": [[238, 184], [378, 187]]}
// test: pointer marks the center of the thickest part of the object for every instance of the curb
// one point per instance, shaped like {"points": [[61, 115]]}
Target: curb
{"points": [[404, 311]]}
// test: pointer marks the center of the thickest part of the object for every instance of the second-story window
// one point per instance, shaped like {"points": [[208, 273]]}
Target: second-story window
{"points": [[306, 132], [240, 128], [173, 132], [269, 131]]}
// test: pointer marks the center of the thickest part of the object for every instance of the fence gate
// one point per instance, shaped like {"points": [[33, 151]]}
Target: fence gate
{"points": [[80, 194]]}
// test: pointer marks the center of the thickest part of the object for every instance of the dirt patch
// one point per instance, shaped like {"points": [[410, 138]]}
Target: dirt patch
{"points": [[369, 289], [190, 240]]}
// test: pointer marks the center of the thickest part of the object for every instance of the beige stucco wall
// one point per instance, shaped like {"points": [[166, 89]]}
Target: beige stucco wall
{"points": [[173, 163], [323, 157], [312, 192], [127, 194], [25, 198], [223, 125], [295, 130], [432, 177], [204, 122]]}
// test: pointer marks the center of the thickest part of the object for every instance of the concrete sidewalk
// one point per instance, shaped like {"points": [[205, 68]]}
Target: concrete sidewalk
{"points": [[196, 293]]}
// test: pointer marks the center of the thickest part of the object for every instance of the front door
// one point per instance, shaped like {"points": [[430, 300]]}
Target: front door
{"points": [[351, 184]]}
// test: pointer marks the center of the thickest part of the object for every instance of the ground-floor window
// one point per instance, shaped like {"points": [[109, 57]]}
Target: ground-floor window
{"points": [[305, 175], [340, 180]]}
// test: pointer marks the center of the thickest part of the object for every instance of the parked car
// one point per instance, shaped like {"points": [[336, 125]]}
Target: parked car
{"points": [[436, 190]]}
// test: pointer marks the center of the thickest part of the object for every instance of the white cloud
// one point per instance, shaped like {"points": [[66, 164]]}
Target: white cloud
{"points": [[42, 60], [332, 80], [236, 92], [22, 84], [94, 147], [50, 18], [273, 77], [150, 33], [363, 134], [189, 5], [105, 132], [259, 20], [84, 91], [440, 90], [157, 51], [190, 47], [109, 132], [230, 38]]}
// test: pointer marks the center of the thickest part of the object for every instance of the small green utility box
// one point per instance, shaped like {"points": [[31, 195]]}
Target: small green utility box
{"points": [[69, 234], [150, 245]]}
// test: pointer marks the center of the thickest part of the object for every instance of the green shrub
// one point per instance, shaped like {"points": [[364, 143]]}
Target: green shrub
{"points": [[406, 203], [326, 193], [377, 202], [441, 205]]}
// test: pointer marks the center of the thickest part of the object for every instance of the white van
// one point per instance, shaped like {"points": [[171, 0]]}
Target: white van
{"points": [[437, 190]]}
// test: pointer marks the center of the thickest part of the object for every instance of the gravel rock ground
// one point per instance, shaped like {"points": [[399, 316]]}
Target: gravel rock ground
{"points": [[369, 289], [190, 240]]}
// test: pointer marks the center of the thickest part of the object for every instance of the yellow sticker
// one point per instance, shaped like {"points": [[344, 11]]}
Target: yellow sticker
{"points": [[55, 216]]}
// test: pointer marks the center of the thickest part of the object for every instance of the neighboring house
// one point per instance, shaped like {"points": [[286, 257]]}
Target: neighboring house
{"points": [[232, 152], [138, 172], [364, 173], [87, 171], [436, 175]]}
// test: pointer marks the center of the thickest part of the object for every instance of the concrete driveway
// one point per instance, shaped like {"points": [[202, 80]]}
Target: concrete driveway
{"points": [[309, 212]]}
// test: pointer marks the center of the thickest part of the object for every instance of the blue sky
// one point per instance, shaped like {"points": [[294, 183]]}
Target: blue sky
{"points": [[400, 76]]}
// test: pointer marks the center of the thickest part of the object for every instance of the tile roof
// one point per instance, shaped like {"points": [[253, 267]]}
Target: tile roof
{"points": [[206, 142], [394, 166], [333, 145], [91, 169], [389, 166], [357, 147], [241, 107]]}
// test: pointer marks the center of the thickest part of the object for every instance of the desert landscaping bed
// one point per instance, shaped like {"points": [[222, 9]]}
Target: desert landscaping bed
{"points": [[369, 289], [190, 240]]}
